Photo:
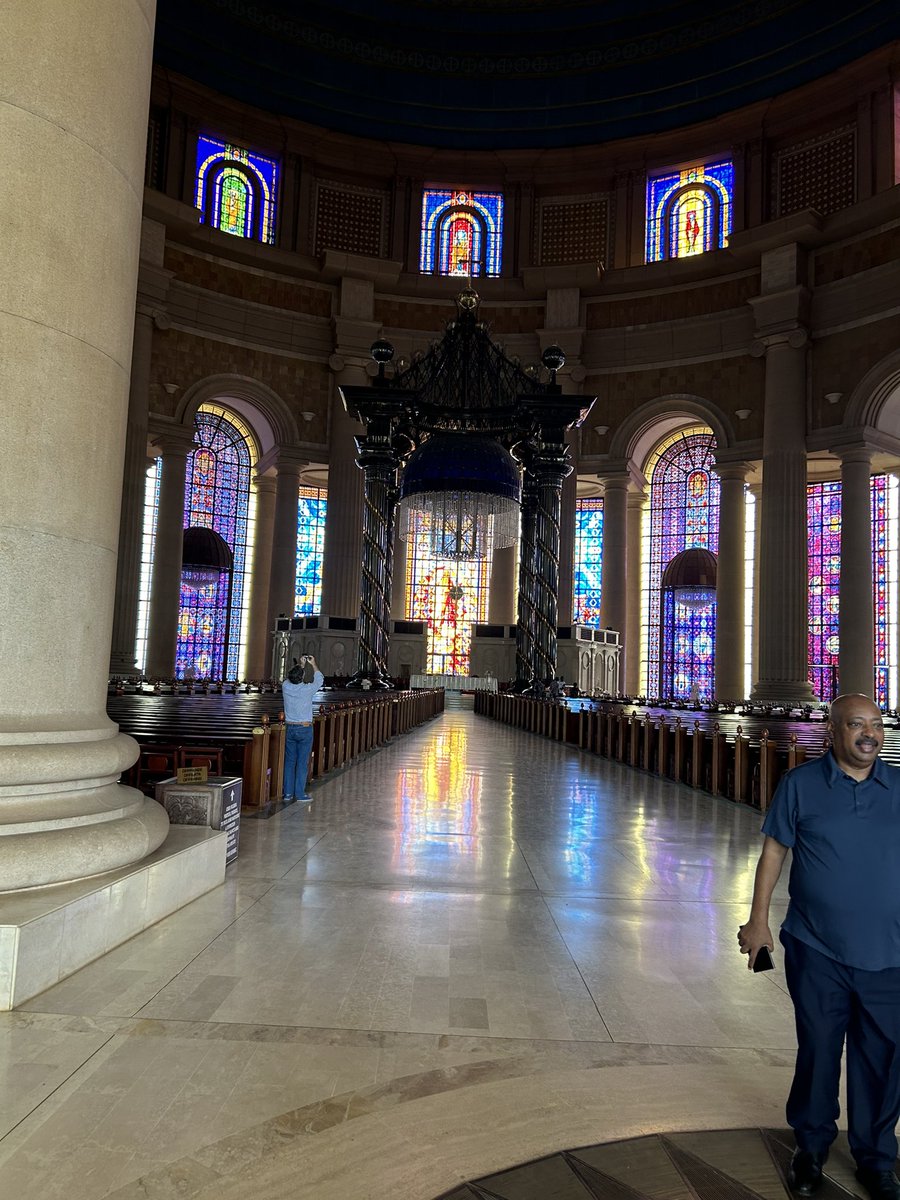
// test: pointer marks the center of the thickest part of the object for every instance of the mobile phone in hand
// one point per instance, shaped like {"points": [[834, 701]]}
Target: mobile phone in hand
{"points": [[763, 960]]}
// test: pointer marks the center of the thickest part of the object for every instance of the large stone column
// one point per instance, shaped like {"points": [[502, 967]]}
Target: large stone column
{"points": [[856, 662], [637, 504], [283, 571], [730, 585], [342, 550], [153, 284], [165, 584], [258, 657], [567, 515], [783, 584], [74, 97], [502, 593]]}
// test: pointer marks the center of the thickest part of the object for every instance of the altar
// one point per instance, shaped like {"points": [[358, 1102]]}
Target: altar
{"points": [[455, 683]]}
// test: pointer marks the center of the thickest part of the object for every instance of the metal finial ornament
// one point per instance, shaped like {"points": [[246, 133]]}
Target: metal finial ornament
{"points": [[382, 352]]}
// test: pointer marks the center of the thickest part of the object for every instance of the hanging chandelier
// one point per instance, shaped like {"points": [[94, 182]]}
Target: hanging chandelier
{"points": [[206, 557], [463, 491]]}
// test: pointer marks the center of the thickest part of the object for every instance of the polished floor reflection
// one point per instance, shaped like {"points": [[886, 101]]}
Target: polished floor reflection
{"points": [[474, 948]]}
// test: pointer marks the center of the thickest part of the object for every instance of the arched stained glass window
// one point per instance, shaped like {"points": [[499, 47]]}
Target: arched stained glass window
{"points": [[448, 595], [683, 514], [212, 617], [588, 561], [462, 232], [235, 190], [823, 514], [689, 211], [310, 548]]}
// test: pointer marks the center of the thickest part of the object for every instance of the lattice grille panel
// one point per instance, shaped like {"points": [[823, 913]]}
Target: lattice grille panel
{"points": [[350, 219], [574, 230], [819, 174]]}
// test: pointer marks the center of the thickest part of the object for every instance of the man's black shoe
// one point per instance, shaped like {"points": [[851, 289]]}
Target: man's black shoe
{"points": [[881, 1185], [805, 1173]]}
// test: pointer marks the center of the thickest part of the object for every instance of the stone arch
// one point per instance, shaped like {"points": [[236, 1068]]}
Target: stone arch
{"points": [[875, 401], [272, 422], [642, 430]]}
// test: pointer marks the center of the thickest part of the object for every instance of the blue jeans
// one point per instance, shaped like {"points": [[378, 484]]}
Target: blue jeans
{"points": [[298, 740]]}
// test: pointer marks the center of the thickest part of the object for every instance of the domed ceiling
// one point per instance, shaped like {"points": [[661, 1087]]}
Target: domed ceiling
{"points": [[494, 74]]}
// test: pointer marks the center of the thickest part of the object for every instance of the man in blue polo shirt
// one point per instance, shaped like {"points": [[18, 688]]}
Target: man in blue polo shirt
{"points": [[840, 817], [303, 681]]}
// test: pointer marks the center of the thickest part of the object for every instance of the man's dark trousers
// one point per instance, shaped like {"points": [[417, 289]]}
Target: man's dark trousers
{"points": [[832, 1001]]}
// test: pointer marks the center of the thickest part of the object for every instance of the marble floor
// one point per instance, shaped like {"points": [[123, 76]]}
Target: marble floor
{"points": [[475, 947]]}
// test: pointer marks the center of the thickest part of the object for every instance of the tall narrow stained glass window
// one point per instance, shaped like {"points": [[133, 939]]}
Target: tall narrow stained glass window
{"points": [[148, 544], [588, 561], [449, 595], [689, 211], [683, 514], [823, 513], [212, 621], [236, 190], [310, 547], [462, 232]]}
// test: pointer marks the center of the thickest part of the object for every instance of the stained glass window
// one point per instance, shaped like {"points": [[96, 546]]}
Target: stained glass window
{"points": [[148, 543], [462, 232], [683, 514], [449, 595], [310, 545], [689, 211], [235, 190], [212, 616], [588, 561], [886, 576], [688, 643]]}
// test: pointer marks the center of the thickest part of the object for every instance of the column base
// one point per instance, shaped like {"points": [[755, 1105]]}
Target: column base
{"points": [[49, 933], [123, 664], [783, 691]]}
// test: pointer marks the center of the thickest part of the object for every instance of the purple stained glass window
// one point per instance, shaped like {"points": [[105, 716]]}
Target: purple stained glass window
{"points": [[881, 576], [310, 546], [588, 561], [684, 513], [462, 232], [689, 637], [823, 549], [217, 496]]}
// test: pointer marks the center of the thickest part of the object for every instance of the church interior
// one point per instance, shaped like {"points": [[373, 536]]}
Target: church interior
{"points": [[471, 348]]}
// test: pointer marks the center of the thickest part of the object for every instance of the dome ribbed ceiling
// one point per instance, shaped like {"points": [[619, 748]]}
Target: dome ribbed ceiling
{"points": [[493, 74]]}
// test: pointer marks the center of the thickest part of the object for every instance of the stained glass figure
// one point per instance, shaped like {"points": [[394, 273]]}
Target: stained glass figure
{"points": [[823, 549], [683, 514], [449, 595], [462, 232], [689, 211], [211, 617], [588, 561], [236, 190], [310, 546]]}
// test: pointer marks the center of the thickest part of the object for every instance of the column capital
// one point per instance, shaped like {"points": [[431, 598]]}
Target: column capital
{"points": [[622, 475], [853, 452], [264, 483], [732, 470], [172, 440], [795, 338], [285, 459], [638, 500]]}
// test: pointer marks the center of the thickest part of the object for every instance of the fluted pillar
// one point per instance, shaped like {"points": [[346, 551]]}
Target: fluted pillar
{"points": [[258, 657], [783, 583], [756, 492], [631, 650], [613, 599], [165, 584], [283, 569], [856, 662], [730, 583], [399, 591], [74, 124], [502, 594], [342, 550]]}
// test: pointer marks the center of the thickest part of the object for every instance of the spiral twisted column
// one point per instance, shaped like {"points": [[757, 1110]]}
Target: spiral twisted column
{"points": [[379, 466], [550, 468], [526, 609]]}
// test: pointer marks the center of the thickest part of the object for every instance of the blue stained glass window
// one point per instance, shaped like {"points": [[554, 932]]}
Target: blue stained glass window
{"points": [[689, 211], [310, 546], [211, 618], [236, 190], [684, 513], [462, 232], [588, 561]]}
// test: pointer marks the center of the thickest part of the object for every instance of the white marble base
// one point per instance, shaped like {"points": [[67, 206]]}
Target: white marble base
{"points": [[48, 933]]}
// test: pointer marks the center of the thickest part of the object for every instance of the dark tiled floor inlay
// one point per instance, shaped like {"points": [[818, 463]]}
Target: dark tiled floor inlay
{"points": [[722, 1164]]}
